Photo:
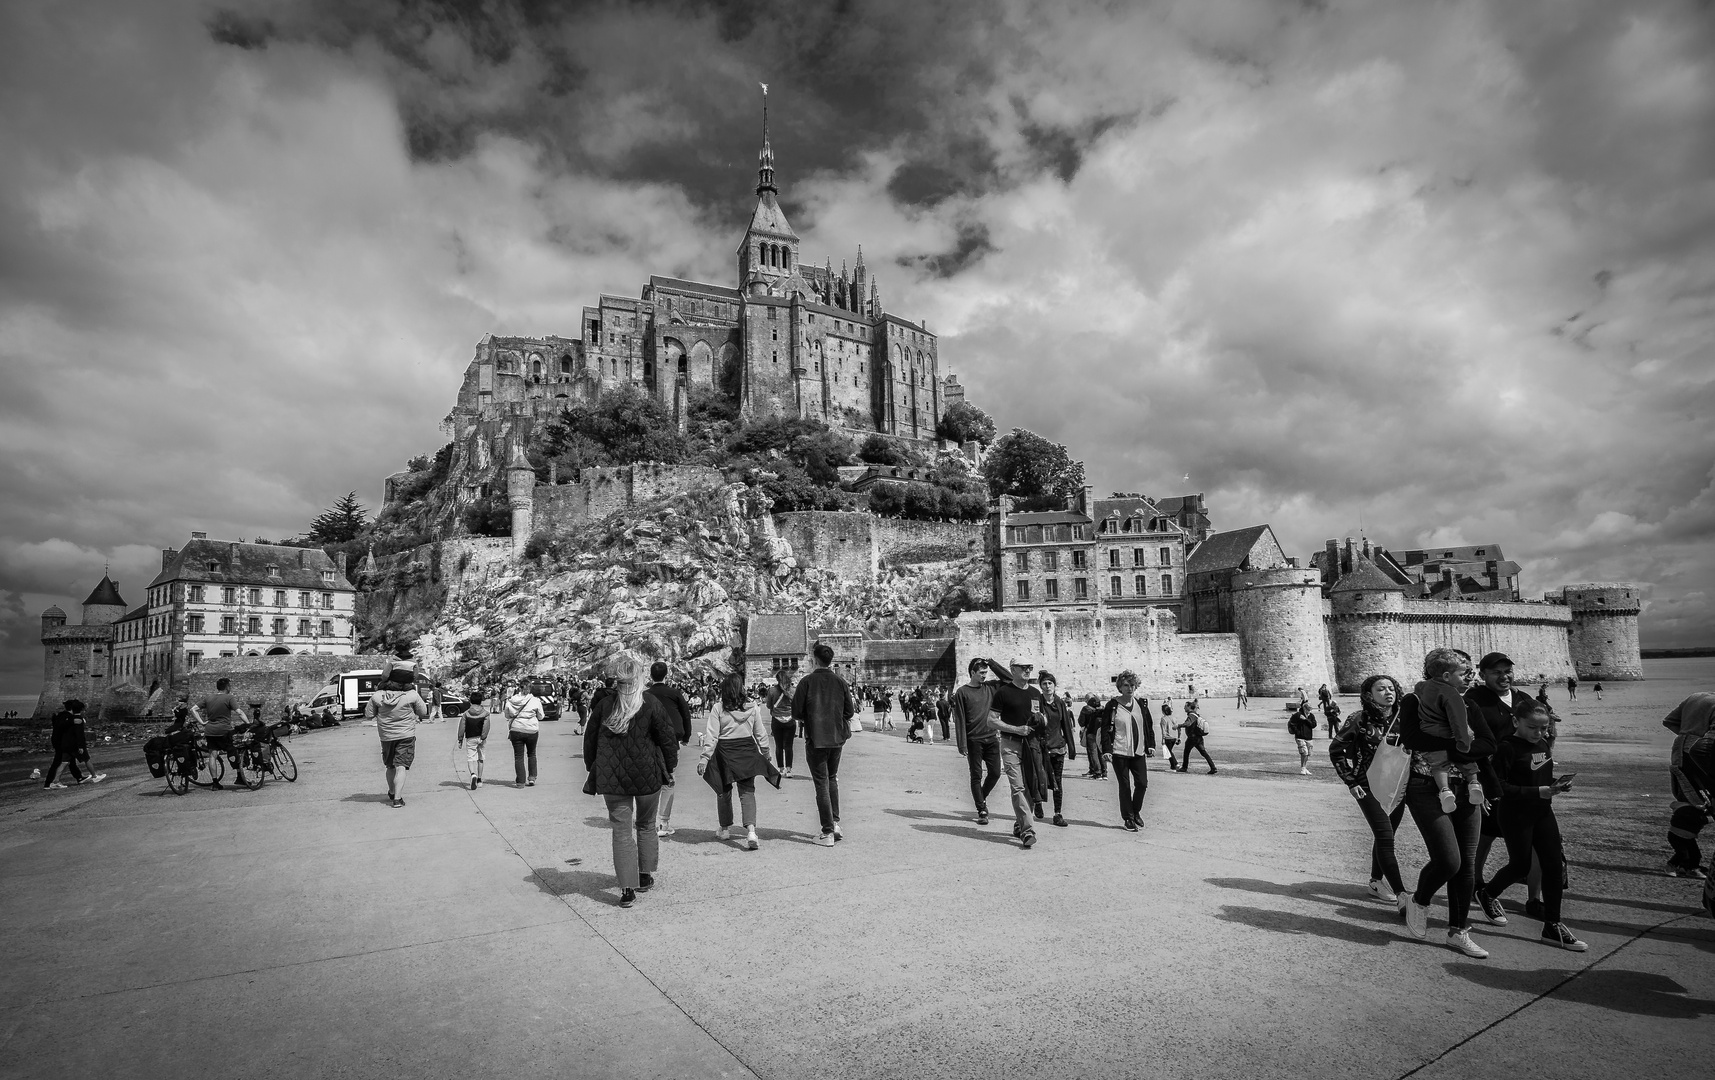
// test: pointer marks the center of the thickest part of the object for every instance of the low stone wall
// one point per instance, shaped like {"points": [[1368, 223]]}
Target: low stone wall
{"points": [[600, 492], [275, 681], [848, 544], [1085, 649], [905, 543]]}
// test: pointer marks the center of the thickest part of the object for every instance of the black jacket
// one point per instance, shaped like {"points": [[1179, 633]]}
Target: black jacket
{"points": [[637, 762], [823, 704], [1106, 728], [1354, 745], [677, 708], [1411, 736]]}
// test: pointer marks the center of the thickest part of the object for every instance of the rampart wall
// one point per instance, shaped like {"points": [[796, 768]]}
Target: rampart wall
{"points": [[275, 681], [599, 492], [1393, 638], [1604, 633], [847, 544], [905, 542], [1085, 649]]}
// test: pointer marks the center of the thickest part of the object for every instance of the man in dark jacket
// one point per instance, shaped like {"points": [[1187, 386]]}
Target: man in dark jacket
{"points": [[71, 745], [679, 710], [1498, 703], [823, 705]]}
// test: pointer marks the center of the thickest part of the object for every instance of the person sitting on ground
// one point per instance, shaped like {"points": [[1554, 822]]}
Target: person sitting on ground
{"points": [[1441, 713], [1528, 786], [735, 752]]}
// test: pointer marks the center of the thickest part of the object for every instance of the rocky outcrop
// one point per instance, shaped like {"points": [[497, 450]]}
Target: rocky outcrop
{"points": [[674, 578]]}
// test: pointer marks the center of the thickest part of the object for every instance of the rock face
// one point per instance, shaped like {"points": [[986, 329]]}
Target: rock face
{"points": [[674, 579]]}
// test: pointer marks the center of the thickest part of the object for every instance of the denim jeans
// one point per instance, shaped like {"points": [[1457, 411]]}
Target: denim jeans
{"points": [[523, 744], [1452, 842], [784, 734], [746, 803], [1011, 762], [980, 756], [635, 847], [824, 765], [1383, 825]]}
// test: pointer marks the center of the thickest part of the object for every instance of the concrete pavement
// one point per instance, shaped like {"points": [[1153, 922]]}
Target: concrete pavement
{"points": [[309, 928]]}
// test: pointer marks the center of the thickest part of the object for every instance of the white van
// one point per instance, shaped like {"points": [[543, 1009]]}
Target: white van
{"points": [[350, 693]]}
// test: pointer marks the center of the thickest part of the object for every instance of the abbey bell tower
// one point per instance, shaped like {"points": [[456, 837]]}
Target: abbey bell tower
{"points": [[769, 252]]}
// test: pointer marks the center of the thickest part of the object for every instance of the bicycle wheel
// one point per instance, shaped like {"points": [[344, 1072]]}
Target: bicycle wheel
{"points": [[285, 766], [178, 781], [211, 768], [250, 769]]}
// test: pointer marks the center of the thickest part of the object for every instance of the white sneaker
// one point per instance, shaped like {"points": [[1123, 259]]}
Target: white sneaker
{"points": [[1559, 934], [660, 830], [1304, 771], [668, 830], [55, 784], [750, 843], [1416, 919], [1449, 802], [824, 840], [723, 834], [838, 835], [1380, 890], [1460, 938], [98, 778]]}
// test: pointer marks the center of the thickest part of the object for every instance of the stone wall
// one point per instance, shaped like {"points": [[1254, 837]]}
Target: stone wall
{"points": [[1385, 633], [907, 543], [1085, 649], [275, 681], [846, 543], [1279, 616], [599, 492], [1604, 631]]}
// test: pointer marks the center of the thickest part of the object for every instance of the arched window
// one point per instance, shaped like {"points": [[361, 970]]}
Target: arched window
{"points": [[565, 365]]}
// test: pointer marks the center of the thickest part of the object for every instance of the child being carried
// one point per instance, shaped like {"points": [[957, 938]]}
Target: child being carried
{"points": [[1441, 712]]}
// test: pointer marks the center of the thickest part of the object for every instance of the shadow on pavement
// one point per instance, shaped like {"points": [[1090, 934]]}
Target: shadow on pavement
{"points": [[1690, 907], [1640, 993], [363, 797], [1285, 922], [588, 883], [1335, 891], [918, 815], [972, 832]]}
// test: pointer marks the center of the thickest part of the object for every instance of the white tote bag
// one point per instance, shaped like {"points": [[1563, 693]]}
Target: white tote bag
{"points": [[1389, 770]]}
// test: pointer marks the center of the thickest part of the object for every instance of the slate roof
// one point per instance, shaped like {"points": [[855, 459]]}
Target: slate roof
{"points": [[1365, 576], [141, 611], [247, 564], [769, 218], [54, 611], [656, 281], [777, 634], [106, 594], [1224, 551]]}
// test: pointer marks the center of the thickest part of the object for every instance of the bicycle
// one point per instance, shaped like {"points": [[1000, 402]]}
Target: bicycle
{"points": [[262, 754], [194, 763]]}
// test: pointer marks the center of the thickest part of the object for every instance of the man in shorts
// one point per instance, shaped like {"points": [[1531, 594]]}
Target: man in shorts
{"points": [[220, 715]]}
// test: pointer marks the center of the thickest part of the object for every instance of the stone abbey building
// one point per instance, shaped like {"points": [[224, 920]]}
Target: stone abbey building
{"points": [[784, 339]]}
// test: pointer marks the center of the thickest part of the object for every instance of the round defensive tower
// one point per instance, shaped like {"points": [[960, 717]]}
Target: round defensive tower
{"points": [[520, 495], [1282, 640], [1366, 632], [1604, 635]]}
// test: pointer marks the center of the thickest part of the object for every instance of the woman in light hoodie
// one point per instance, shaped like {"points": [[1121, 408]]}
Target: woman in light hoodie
{"points": [[523, 712], [396, 708], [735, 751]]}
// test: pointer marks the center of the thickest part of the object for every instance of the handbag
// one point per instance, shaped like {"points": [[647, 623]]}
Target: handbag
{"points": [[1389, 769], [589, 780]]}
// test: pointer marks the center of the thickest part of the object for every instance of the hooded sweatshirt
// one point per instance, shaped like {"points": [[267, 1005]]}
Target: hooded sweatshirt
{"points": [[523, 713], [396, 713]]}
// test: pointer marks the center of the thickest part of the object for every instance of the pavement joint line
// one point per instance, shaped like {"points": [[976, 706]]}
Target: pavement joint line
{"points": [[282, 967], [1591, 966], [512, 848]]}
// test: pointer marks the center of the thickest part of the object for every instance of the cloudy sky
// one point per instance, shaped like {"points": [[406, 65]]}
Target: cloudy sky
{"points": [[1437, 271]]}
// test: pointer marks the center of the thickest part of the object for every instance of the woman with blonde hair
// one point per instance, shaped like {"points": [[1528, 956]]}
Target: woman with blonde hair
{"points": [[735, 752], [629, 747]]}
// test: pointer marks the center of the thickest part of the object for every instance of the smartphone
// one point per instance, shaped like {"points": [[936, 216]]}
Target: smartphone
{"points": [[1567, 779]]}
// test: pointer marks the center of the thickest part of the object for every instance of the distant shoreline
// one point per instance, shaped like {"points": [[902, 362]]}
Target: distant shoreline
{"points": [[1677, 654]]}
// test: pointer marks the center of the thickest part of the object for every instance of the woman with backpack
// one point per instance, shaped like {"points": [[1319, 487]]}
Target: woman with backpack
{"points": [[1351, 751], [523, 714], [630, 747], [1194, 729]]}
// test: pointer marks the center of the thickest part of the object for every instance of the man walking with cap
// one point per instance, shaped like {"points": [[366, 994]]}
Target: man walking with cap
{"points": [[1495, 698], [1018, 711]]}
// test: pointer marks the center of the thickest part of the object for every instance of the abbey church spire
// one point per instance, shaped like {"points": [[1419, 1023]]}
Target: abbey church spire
{"points": [[768, 254]]}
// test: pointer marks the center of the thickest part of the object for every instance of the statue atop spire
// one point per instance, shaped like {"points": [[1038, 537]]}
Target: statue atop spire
{"points": [[765, 156]]}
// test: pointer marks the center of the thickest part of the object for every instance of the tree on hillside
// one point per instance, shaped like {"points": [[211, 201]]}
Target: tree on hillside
{"points": [[341, 522], [1036, 472], [624, 425], [880, 450], [964, 422]]}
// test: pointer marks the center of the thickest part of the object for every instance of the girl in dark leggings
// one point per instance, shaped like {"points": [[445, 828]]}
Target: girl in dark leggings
{"points": [[1449, 835], [1526, 813], [1352, 749]]}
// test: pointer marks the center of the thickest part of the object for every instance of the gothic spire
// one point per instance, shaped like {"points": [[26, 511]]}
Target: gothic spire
{"points": [[765, 156]]}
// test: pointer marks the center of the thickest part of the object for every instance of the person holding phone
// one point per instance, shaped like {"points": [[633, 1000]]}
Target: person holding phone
{"points": [[1527, 822]]}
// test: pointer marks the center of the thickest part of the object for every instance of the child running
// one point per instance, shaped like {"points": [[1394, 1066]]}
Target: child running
{"points": [[1441, 712]]}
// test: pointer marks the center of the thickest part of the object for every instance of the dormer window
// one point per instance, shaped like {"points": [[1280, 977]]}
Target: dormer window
{"points": [[273, 571], [213, 566]]}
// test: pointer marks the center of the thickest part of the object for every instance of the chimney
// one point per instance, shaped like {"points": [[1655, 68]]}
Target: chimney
{"points": [[1331, 554], [1087, 502], [167, 557], [1346, 558], [1367, 553], [1447, 580], [199, 536], [553, 473], [300, 558], [339, 562]]}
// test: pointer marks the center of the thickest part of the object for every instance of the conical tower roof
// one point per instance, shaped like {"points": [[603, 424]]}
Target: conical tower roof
{"points": [[106, 594]]}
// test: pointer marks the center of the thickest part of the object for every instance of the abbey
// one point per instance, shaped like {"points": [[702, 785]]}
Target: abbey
{"points": [[785, 339]]}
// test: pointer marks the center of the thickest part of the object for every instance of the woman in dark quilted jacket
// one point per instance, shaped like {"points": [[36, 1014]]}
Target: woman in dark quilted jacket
{"points": [[630, 746], [1353, 747]]}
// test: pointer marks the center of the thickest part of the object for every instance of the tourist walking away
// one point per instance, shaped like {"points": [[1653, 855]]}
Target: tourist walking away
{"points": [[1450, 836], [976, 736], [1244, 697], [473, 734], [1195, 729], [1128, 739], [1441, 712], [784, 728], [679, 711], [823, 705], [1494, 697], [1572, 687], [1351, 751], [1060, 740], [630, 747], [219, 715], [1090, 723], [1330, 711], [396, 709], [1528, 825], [735, 753], [1691, 776], [943, 713], [884, 711], [1169, 733], [523, 712], [70, 741], [1598, 689], [1303, 728], [1017, 713]]}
